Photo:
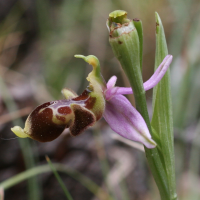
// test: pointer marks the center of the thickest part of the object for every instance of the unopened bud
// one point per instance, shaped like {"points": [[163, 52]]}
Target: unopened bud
{"points": [[125, 43]]}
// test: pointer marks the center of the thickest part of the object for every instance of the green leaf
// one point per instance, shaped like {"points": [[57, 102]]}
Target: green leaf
{"points": [[65, 190], [85, 181], [162, 120]]}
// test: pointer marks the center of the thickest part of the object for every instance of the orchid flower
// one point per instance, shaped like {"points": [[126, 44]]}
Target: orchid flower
{"points": [[77, 113]]}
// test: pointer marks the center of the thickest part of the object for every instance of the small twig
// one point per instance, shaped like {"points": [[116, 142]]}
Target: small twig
{"points": [[9, 75], [14, 115], [1, 194]]}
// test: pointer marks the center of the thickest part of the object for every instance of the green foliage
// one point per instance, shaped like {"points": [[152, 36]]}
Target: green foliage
{"points": [[162, 120]]}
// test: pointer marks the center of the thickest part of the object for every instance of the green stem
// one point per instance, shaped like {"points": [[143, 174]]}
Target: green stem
{"points": [[67, 194], [126, 48], [152, 155]]}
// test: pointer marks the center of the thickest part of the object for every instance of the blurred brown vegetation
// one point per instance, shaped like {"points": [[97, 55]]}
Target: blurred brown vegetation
{"points": [[38, 40]]}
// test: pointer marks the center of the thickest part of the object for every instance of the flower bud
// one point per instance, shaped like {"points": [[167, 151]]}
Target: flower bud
{"points": [[124, 40]]}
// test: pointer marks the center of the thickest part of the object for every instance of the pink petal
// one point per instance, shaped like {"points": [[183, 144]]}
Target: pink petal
{"points": [[159, 73], [125, 120], [153, 81], [111, 82], [109, 93]]}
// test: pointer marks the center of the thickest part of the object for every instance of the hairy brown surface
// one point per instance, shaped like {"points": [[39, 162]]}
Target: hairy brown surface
{"points": [[42, 128], [83, 119]]}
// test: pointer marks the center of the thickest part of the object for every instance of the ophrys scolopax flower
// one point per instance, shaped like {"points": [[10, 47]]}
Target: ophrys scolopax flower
{"points": [[49, 120]]}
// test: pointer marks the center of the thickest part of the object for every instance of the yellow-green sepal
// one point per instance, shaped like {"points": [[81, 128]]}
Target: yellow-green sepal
{"points": [[18, 131], [94, 77]]}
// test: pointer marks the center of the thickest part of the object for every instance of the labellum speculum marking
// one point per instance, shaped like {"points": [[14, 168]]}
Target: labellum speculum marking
{"points": [[75, 112]]}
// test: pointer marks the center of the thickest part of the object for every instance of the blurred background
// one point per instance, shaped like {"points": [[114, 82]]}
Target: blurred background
{"points": [[38, 40]]}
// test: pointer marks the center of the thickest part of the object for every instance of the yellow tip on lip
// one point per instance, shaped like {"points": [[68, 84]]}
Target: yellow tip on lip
{"points": [[18, 131]]}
